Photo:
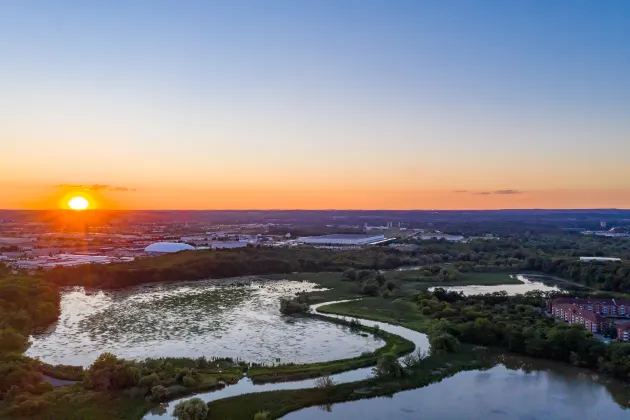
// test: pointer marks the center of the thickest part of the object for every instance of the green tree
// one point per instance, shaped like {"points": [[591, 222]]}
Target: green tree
{"points": [[191, 409]]}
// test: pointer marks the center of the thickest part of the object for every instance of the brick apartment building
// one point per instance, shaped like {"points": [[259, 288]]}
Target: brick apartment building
{"points": [[595, 314]]}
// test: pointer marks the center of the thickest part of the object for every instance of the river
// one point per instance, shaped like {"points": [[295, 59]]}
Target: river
{"points": [[540, 391], [505, 391]]}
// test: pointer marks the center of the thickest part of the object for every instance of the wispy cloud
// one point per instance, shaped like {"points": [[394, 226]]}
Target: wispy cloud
{"points": [[460, 191], [94, 187], [508, 192], [497, 192]]}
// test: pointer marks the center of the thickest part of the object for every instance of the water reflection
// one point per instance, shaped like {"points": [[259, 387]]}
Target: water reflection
{"points": [[545, 390], [193, 319], [530, 283]]}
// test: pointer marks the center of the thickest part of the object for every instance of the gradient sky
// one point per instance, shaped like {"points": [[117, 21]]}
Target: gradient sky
{"points": [[315, 103]]}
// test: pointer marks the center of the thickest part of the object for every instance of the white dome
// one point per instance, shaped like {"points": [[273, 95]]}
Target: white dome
{"points": [[167, 247]]}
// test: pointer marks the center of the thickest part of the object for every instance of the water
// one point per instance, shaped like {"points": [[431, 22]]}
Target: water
{"points": [[246, 386], [190, 320], [530, 283], [541, 391]]}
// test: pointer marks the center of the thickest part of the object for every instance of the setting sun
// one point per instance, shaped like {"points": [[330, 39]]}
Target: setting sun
{"points": [[78, 203]]}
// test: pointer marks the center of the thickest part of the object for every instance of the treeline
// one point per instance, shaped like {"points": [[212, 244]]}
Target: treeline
{"points": [[26, 304], [518, 324], [195, 265], [609, 276]]}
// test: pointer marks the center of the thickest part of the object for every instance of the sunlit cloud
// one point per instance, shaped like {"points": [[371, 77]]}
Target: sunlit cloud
{"points": [[508, 192], [95, 187]]}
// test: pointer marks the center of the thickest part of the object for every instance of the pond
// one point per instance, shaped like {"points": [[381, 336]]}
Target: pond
{"points": [[531, 390], [192, 319], [246, 386], [530, 283]]}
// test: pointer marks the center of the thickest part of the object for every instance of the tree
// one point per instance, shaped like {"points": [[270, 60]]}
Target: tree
{"points": [[261, 415], [388, 366], [380, 279], [191, 409], [444, 342], [370, 288], [159, 393]]}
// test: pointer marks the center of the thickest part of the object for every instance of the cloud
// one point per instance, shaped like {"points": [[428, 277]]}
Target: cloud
{"points": [[460, 191], [508, 192], [499, 192], [94, 187]]}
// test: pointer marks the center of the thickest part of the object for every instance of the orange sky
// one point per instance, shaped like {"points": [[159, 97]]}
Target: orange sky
{"points": [[315, 105], [312, 198]]}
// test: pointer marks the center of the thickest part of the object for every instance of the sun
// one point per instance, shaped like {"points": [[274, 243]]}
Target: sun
{"points": [[78, 203]]}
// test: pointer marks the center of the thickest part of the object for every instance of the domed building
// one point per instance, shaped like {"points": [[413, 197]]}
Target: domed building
{"points": [[168, 247]]}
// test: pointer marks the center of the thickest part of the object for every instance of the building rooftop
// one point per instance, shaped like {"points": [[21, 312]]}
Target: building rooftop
{"points": [[346, 236]]}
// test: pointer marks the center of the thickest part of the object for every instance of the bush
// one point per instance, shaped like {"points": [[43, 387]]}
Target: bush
{"points": [[191, 409], [159, 393], [388, 366], [261, 415], [325, 382], [370, 288], [149, 381], [110, 373], [444, 342], [202, 363], [292, 306], [188, 381]]}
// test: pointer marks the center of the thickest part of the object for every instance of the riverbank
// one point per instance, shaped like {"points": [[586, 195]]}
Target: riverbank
{"points": [[278, 403]]}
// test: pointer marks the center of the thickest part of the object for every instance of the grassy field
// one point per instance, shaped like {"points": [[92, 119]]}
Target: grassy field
{"points": [[400, 311]]}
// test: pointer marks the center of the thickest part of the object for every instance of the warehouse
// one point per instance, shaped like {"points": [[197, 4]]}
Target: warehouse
{"points": [[341, 239]]}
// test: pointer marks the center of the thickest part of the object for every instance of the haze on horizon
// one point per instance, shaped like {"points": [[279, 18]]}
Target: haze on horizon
{"points": [[315, 104]]}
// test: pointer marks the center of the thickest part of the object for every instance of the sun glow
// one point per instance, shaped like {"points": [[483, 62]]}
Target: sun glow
{"points": [[78, 203]]}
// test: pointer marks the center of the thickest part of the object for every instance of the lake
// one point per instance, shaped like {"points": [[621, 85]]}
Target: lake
{"points": [[191, 319], [530, 283], [533, 390]]}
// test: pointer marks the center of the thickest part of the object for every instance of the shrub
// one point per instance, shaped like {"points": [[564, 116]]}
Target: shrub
{"points": [[370, 288], [388, 366], [261, 415], [191, 409], [325, 382], [202, 363], [292, 306], [444, 342], [149, 381], [159, 393]]}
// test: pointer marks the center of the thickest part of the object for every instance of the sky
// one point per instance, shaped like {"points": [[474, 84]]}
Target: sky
{"points": [[315, 104]]}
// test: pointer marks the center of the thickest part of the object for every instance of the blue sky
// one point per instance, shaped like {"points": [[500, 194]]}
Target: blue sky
{"points": [[176, 93]]}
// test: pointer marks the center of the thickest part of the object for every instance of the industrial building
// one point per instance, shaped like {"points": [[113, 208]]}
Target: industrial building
{"points": [[167, 247], [599, 259], [342, 239]]}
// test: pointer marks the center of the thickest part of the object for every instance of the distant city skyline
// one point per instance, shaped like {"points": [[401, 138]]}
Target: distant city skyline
{"points": [[315, 104]]}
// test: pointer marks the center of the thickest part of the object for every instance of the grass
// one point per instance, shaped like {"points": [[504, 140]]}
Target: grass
{"points": [[400, 311]]}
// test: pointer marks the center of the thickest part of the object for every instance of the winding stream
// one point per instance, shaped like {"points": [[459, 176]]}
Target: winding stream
{"points": [[518, 387], [246, 386]]}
